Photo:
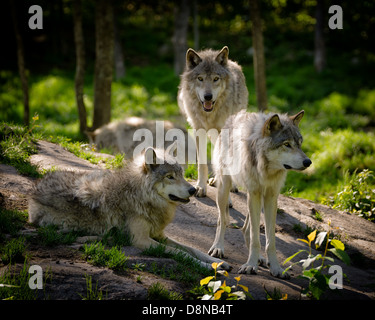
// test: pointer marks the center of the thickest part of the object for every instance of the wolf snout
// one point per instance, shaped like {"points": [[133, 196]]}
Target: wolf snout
{"points": [[192, 191], [208, 96], [307, 163]]}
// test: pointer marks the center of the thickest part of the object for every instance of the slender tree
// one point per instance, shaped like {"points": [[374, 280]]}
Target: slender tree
{"points": [[118, 52], [258, 58], [320, 50], [21, 64], [80, 64], [104, 46], [181, 23]]}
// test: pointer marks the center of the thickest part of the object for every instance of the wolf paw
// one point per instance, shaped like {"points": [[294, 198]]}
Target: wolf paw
{"points": [[201, 192], [278, 272], [248, 268], [212, 182], [262, 261], [216, 251]]}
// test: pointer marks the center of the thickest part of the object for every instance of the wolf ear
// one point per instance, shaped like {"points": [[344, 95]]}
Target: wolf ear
{"points": [[222, 57], [172, 148], [150, 160], [271, 125], [192, 59], [297, 118]]}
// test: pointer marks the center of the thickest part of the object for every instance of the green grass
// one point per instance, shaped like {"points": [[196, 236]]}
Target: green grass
{"points": [[113, 258], [13, 251], [11, 222], [91, 293], [186, 271], [158, 292], [50, 236], [17, 284]]}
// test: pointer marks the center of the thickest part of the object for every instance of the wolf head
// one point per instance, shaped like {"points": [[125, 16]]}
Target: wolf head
{"points": [[208, 73], [285, 138], [167, 175]]}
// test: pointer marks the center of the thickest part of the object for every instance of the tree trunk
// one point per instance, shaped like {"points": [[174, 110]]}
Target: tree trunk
{"points": [[104, 37], [21, 65], [119, 55], [80, 64], [181, 23], [196, 25], [320, 50], [258, 58]]}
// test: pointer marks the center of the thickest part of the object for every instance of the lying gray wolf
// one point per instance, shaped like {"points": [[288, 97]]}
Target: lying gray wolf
{"points": [[212, 88], [124, 136], [142, 198], [255, 150]]}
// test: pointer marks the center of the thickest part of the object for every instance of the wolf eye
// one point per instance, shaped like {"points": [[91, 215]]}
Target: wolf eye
{"points": [[200, 79], [216, 79], [287, 144], [170, 177]]}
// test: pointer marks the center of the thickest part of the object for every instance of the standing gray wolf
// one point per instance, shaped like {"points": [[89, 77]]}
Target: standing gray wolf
{"points": [[258, 158], [212, 88], [142, 198]]}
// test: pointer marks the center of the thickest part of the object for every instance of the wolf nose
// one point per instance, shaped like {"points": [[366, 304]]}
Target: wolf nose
{"points": [[208, 96], [192, 190], [307, 163]]}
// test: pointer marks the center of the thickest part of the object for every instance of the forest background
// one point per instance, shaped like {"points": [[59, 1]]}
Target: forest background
{"points": [[138, 47]]}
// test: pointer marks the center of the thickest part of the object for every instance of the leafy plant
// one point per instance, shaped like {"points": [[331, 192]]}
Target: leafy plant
{"points": [[317, 277], [216, 290], [357, 195]]}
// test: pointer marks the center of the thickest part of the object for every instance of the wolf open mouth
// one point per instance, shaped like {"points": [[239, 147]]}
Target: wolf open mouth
{"points": [[208, 106], [174, 198]]}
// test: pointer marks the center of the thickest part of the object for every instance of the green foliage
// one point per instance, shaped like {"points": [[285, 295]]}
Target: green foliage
{"points": [[17, 144], [13, 251], [11, 221], [158, 292], [318, 279], [356, 194], [112, 258], [14, 285]]}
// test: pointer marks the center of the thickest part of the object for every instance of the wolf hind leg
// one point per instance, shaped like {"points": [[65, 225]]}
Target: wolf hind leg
{"points": [[270, 212], [251, 233]]}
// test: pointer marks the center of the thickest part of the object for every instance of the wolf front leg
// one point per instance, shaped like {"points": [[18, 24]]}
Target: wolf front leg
{"points": [[270, 212], [201, 143], [222, 193]]}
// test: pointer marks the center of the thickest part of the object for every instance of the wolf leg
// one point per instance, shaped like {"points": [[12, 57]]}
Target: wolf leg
{"points": [[202, 170], [254, 201], [270, 212], [202, 180], [224, 184]]}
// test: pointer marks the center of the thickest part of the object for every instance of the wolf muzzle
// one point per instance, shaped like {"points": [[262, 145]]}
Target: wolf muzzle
{"points": [[208, 104]]}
